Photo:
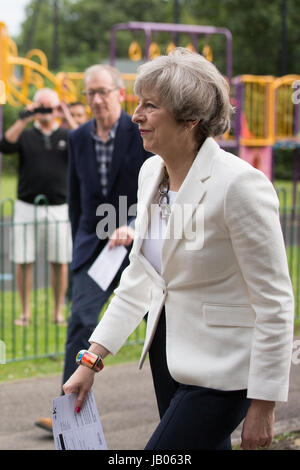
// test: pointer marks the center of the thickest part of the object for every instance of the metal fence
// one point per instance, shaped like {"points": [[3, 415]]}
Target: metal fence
{"points": [[290, 223], [42, 337], [28, 245]]}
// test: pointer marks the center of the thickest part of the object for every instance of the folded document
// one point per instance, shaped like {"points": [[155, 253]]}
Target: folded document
{"points": [[77, 431], [106, 266]]}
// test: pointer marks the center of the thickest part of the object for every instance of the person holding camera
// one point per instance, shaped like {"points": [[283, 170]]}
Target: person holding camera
{"points": [[72, 115], [41, 211]]}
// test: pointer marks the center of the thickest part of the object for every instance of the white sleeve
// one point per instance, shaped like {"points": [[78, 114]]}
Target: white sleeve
{"points": [[252, 217]]}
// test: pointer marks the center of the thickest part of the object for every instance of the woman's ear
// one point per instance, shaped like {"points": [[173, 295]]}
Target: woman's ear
{"points": [[194, 123], [191, 124]]}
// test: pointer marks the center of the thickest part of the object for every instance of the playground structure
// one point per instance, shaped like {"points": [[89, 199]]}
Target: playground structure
{"points": [[269, 118], [266, 115], [152, 49]]}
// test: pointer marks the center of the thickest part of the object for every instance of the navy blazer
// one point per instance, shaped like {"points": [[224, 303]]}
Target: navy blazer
{"points": [[84, 190]]}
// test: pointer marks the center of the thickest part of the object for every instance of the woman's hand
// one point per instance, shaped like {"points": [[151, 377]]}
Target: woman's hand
{"points": [[80, 383], [258, 428]]}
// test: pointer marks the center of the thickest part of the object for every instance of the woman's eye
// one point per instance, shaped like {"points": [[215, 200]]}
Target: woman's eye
{"points": [[146, 104]]}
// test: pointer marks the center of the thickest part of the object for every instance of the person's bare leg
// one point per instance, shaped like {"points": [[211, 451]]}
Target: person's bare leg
{"points": [[24, 278], [59, 283]]}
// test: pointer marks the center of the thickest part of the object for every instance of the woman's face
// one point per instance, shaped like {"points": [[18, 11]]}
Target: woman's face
{"points": [[157, 126]]}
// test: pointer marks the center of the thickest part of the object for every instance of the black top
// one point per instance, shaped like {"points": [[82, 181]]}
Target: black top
{"points": [[43, 164]]}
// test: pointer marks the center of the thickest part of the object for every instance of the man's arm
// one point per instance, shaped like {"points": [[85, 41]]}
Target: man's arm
{"points": [[9, 143], [13, 133]]}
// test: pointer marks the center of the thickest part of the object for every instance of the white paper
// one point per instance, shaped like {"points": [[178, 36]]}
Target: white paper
{"points": [[106, 266], [77, 431]]}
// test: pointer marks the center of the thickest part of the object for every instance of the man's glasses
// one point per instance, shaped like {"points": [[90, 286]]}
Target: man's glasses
{"points": [[103, 92]]}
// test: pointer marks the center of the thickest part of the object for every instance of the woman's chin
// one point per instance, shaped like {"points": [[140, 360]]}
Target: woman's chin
{"points": [[147, 146]]}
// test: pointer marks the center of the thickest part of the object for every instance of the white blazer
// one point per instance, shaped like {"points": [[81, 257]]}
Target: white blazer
{"points": [[225, 285]]}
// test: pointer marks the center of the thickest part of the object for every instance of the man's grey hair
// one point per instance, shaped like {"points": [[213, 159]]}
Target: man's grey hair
{"points": [[49, 92], [113, 71], [191, 88]]}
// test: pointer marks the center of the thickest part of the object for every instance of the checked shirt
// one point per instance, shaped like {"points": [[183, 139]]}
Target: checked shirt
{"points": [[104, 153]]}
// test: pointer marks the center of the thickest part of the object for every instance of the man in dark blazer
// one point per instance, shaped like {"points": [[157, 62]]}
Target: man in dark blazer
{"points": [[105, 156]]}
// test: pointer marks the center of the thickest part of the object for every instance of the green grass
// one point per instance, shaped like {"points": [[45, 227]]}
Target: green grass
{"points": [[285, 194], [8, 189], [51, 366], [27, 347], [297, 328], [41, 337]]}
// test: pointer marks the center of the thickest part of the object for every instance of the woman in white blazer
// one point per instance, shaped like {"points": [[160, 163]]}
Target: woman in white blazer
{"points": [[208, 265]]}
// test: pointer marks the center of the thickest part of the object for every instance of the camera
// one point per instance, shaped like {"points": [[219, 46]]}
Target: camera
{"points": [[26, 112]]}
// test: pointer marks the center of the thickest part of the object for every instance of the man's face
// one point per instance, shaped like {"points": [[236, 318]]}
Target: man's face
{"points": [[103, 97], [46, 101], [79, 114]]}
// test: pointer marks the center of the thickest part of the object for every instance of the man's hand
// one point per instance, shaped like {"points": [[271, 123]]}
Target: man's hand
{"points": [[258, 428], [122, 236], [62, 112], [30, 117]]}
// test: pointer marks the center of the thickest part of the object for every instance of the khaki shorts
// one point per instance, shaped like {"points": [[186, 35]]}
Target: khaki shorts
{"points": [[40, 230]]}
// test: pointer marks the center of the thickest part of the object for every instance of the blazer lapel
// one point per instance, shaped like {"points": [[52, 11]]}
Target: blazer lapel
{"points": [[148, 192], [188, 198], [89, 157]]}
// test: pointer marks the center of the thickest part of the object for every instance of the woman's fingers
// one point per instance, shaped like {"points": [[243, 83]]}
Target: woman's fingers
{"points": [[80, 383]]}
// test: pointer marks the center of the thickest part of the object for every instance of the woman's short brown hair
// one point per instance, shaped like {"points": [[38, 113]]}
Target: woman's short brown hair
{"points": [[191, 88]]}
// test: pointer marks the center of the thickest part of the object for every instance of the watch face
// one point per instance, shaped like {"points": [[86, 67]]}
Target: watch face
{"points": [[89, 359]]}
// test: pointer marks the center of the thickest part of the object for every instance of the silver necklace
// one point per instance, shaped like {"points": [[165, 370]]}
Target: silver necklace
{"points": [[163, 198]]}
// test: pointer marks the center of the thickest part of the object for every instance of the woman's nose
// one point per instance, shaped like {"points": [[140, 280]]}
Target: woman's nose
{"points": [[137, 115]]}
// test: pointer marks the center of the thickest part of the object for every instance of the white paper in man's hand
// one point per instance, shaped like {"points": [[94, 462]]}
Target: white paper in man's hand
{"points": [[106, 266], [77, 431]]}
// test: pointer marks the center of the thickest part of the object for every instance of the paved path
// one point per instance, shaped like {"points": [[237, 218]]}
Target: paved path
{"points": [[126, 404]]}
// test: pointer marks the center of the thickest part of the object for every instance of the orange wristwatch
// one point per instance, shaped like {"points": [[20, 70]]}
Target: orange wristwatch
{"points": [[89, 359]]}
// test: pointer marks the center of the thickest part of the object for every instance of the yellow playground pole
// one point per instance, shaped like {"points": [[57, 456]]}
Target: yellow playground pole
{"points": [[2, 102]]}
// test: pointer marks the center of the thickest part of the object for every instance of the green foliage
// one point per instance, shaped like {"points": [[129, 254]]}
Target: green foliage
{"points": [[8, 192], [9, 163], [256, 28], [284, 164], [84, 27], [84, 30]]}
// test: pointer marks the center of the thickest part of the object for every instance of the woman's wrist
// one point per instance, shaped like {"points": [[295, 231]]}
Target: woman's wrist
{"points": [[266, 404], [99, 350], [93, 357]]}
